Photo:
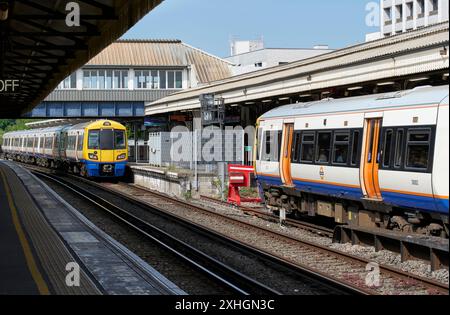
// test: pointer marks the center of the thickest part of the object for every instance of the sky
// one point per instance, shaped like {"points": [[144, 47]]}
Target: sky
{"points": [[209, 24]]}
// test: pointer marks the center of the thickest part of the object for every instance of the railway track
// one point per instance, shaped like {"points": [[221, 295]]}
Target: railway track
{"points": [[321, 261], [259, 212], [235, 280]]}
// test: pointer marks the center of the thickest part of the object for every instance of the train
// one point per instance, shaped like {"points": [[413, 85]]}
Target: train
{"points": [[376, 161], [96, 149]]}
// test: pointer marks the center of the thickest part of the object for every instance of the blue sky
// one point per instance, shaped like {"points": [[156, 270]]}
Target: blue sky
{"points": [[209, 24]]}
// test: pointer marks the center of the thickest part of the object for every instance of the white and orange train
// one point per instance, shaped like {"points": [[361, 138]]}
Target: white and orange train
{"points": [[374, 161]]}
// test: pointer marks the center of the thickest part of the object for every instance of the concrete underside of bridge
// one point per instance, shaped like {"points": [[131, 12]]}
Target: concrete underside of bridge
{"points": [[38, 48]]}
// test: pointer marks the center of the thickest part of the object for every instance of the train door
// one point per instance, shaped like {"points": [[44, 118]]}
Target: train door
{"points": [[371, 159], [285, 160]]}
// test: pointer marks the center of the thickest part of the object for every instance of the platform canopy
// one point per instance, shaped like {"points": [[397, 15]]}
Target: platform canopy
{"points": [[39, 48]]}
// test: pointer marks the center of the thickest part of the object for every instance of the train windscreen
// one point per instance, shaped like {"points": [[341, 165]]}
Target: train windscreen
{"points": [[107, 139]]}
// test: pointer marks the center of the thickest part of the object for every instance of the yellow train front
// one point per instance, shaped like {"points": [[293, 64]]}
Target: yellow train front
{"points": [[104, 148]]}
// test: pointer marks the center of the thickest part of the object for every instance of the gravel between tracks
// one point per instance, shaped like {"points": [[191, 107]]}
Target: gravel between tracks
{"points": [[273, 245]]}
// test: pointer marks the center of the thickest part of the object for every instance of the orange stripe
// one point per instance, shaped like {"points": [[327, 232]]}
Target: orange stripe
{"points": [[385, 109]]}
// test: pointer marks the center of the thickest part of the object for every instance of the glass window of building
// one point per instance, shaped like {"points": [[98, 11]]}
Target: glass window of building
{"points": [[170, 79]]}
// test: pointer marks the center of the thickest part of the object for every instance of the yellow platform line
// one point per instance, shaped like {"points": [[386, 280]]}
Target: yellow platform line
{"points": [[31, 263]]}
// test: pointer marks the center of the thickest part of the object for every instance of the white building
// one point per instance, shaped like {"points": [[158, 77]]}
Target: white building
{"points": [[252, 56], [398, 16]]}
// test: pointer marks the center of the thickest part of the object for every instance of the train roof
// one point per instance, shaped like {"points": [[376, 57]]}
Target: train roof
{"points": [[419, 96]]}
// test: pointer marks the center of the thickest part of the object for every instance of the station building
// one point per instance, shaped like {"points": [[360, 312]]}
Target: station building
{"points": [[252, 55], [123, 77], [400, 16]]}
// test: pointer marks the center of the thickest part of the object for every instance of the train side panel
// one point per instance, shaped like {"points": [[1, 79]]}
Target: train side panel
{"points": [[441, 170], [404, 187]]}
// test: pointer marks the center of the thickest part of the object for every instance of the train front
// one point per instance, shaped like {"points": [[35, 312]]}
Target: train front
{"points": [[106, 152]]}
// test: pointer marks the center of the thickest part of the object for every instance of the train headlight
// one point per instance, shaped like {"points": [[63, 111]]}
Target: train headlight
{"points": [[122, 156], [93, 156]]}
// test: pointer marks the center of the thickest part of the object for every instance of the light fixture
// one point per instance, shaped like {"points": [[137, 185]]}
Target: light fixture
{"points": [[249, 103], [4, 8], [326, 92], [267, 101], [418, 79], [385, 83], [284, 98], [305, 95], [354, 88], [234, 105], [445, 76]]}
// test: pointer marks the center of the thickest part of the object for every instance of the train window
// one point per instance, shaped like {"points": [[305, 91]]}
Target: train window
{"points": [[355, 148], [94, 140], [48, 142], [341, 148], [272, 146], [107, 139], [80, 143], [323, 147], [417, 149], [119, 140], [308, 142], [296, 147], [398, 149], [258, 141], [387, 148]]}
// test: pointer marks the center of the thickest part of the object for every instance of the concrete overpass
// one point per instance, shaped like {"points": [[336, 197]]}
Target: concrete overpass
{"points": [[38, 49]]}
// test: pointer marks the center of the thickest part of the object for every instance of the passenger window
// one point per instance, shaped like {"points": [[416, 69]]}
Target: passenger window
{"points": [[355, 148], [308, 141], [80, 143], [418, 148], [258, 141], [387, 147], [398, 149], [323, 147], [341, 148], [272, 146], [296, 147]]}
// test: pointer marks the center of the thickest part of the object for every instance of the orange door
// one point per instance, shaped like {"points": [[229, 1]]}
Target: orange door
{"points": [[372, 159], [285, 161]]}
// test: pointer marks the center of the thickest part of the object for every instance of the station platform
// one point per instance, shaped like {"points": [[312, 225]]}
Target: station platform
{"points": [[43, 241]]}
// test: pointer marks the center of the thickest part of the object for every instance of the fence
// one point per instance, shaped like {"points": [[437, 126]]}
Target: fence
{"points": [[203, 151]]}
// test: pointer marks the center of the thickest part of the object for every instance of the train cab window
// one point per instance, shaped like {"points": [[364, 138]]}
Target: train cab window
{"points": [[308, 142], [418, 149], [271, 146], [387, 147], [355, 148], [107, 139], [119, 140], [323, 147], [258, 141], [341, 148], [94, 140]]}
